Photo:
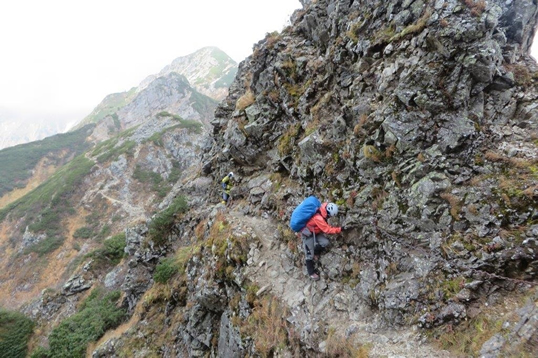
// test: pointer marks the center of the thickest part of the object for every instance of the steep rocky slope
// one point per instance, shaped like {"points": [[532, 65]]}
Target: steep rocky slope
{"points": [[419, 119]]}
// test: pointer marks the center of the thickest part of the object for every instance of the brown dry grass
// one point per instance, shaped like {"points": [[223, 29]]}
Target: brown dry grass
{"points": [[421, 158], [411, 29], [200, 229], [338, 346], [358, 128], [37, 273], [42, 172], [477, 6], [455, 204], [268, 326], [396, 177], [245, 100], [512, 161], [390, 151], [466, 339]]}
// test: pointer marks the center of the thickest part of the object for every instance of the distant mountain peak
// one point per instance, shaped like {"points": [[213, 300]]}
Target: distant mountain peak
{"points": [[194, 83], [209, 70]]}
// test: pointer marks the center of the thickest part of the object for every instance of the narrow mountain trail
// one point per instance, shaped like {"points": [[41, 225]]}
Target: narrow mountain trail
{"points": [[109, 185], [315, 305]]}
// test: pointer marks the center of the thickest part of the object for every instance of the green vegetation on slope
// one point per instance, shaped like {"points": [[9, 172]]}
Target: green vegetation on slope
{"points": [[165, 270], [226, 80], [109, 149], [18, 162], [109, 106], [161, 226], [202, 103], [112, 154], [157, 183], [111, 253], [221, 56], [97, 314], [44, 207], [15, 330], [190, 125]]}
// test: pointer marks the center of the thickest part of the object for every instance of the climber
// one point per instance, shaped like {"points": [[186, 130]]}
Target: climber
{"points": [[314, 239], [227, 187]]}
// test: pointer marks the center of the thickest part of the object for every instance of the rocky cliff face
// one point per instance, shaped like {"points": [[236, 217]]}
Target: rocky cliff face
{"points": [[419, 119]]}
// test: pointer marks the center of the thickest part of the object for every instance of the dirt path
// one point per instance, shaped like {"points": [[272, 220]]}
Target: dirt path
{"points": [[322, 303], [108, 183]]}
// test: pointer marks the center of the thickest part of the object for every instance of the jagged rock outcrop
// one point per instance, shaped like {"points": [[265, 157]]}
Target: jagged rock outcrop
{"points": [[171, 93], [419, 119]]}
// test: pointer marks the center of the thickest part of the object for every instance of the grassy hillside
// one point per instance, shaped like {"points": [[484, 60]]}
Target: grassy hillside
{"points": [[44, 207], [108, 107], [18, 162], [15, 330]]}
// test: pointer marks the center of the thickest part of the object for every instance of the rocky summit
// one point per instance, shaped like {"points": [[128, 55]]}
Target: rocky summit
{"points": [[417, 118]]}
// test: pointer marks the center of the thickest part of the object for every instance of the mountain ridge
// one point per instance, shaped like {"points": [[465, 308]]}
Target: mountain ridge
{"points": [[202, 70]]}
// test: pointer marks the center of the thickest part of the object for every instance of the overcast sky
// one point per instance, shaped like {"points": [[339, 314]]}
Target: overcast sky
{"points": [[61, 57], [65, 56]]}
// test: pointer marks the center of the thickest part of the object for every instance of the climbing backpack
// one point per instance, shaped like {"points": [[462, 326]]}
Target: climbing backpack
{"points": [[303, 212]]}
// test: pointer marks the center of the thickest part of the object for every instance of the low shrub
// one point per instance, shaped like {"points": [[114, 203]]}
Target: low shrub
{"points": [[98, 313], [15, 330], [111, 253], [162, 224], [83, 233], [155, 179], [46, 246], [165, 270]]}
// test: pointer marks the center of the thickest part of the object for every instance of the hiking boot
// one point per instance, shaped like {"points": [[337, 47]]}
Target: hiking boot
{"points": [[314, 277]]}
